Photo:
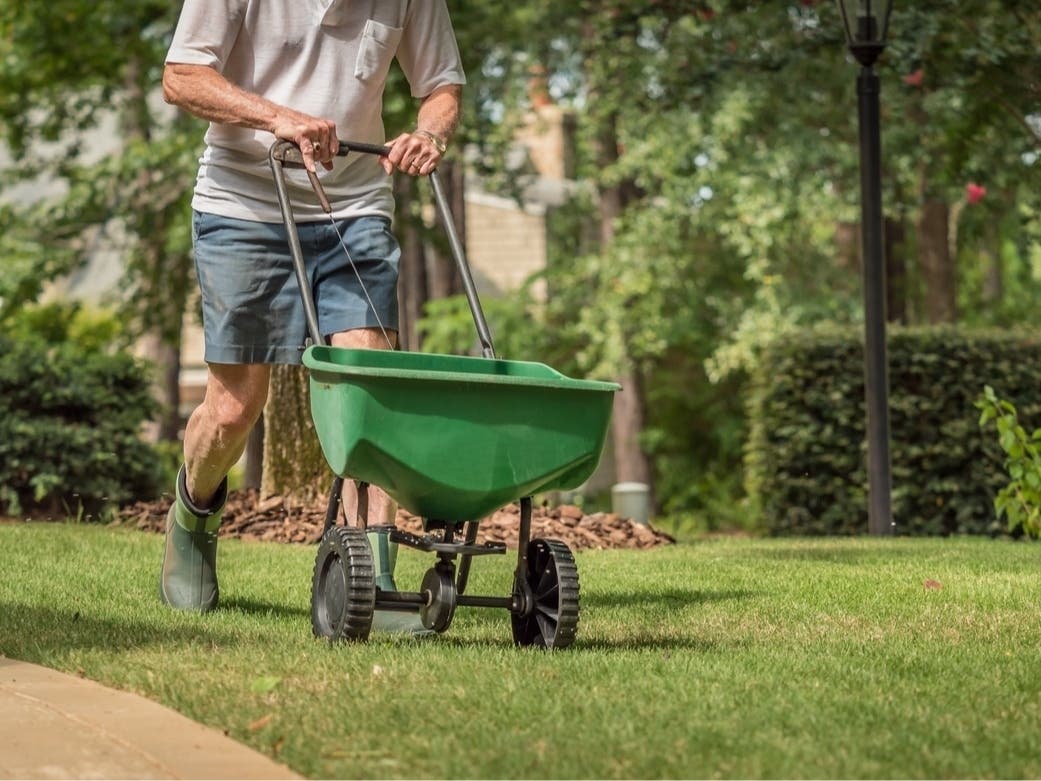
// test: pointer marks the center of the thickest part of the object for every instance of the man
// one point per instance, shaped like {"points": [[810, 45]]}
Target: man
{"points": [[310, 72]]}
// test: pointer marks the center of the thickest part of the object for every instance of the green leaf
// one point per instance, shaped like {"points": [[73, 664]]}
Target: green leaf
{"points": [[265, 684]]}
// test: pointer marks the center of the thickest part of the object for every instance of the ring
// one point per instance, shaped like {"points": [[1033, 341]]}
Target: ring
{"points": [[315, 145]]}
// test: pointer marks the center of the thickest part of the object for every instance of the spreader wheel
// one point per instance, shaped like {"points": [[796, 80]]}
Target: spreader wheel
{"points": [[343, 592], [548, 597]]}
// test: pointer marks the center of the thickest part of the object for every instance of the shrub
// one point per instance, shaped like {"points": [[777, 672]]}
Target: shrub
{"points": [[69, 422], [806, 451], [1020, 499]]}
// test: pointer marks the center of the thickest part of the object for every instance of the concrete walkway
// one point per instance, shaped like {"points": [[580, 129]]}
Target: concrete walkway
{"points": [[58, 726]]}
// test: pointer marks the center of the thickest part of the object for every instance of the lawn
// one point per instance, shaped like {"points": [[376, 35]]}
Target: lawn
{"points": [[735, 658]]}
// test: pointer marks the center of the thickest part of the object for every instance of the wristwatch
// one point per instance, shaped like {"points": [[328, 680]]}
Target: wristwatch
{"points": [[439, 143]]}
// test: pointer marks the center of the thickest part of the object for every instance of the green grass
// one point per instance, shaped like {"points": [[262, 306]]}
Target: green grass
{"points": [[727, 658]]}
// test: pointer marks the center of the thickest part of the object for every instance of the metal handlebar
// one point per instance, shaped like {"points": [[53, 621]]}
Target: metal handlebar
{"points": [[288, 152], [284, 153]]}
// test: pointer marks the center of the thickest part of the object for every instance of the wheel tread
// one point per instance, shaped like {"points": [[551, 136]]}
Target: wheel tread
{"points": [[553, 577], [346, 547]]}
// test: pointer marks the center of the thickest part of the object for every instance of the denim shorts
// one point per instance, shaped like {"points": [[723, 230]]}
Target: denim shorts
{"points": [[251, 305]]}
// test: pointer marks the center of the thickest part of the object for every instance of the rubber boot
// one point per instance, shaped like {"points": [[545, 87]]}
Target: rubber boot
{"points": [[188, 580], [385, 558]]}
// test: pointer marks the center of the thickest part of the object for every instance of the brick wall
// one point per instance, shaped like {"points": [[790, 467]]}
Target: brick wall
{"points": [[505, 243]]}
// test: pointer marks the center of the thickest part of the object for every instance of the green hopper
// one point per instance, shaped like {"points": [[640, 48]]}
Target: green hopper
{"points": [[454, 438]]}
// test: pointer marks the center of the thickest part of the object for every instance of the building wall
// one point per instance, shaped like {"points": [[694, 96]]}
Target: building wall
{"points": [[505, 243]]}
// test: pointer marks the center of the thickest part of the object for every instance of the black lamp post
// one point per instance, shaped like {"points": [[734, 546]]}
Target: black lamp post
{"points": [[866, 24]]}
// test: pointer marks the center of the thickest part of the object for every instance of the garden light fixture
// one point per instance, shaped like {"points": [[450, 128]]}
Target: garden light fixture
{"points": [[866, 25]]}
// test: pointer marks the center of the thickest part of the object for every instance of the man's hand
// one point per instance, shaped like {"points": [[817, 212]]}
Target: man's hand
{"points": [[315, 137], [416, 154]]}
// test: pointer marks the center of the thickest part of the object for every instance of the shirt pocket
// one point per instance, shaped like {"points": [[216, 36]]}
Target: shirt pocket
{"points": [[379, 44]]}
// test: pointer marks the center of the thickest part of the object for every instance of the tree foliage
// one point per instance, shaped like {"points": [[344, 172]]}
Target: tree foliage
{"points": [[94, 66], [737, 131]]}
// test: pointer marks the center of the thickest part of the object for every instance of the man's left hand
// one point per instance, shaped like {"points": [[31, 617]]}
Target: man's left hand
{"points": [[415, 154]]}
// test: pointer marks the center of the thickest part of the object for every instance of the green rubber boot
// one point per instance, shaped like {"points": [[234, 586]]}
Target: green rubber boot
{"points": [[385, 557], [188, 580]]}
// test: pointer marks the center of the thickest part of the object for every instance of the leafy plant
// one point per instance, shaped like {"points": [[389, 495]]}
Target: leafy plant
{"points": [[1020, 500], [91, 329], [70, 415]]}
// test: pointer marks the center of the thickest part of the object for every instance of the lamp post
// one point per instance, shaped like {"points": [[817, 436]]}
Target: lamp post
{"points": [[866, 24]]}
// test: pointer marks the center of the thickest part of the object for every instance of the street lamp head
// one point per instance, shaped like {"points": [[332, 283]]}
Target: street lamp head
{"points": [[866, 23]]}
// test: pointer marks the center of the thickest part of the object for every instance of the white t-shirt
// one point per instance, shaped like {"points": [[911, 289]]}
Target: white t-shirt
{"points": [[327, 58]]}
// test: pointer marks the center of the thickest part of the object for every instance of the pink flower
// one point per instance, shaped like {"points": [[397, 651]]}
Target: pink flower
{"points": [[914, 79], [974, 192]]}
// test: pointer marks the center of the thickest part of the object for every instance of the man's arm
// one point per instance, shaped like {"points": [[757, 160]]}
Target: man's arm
{"points": [[418, 153], [202, 91]]}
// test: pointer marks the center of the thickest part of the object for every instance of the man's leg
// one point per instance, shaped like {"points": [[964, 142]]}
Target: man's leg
{"points": [[214, 440], [217, 430], [382, 509]]}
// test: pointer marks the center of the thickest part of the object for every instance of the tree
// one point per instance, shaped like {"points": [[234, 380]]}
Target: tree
{"points": [[962, 85], [64, 73], [736, 136]]}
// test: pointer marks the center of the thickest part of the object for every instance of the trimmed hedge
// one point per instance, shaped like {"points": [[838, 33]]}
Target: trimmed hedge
{"points": [[805, 457], [69, 422]]}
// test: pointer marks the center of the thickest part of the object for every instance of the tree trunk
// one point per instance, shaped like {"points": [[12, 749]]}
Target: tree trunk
{"points": [[442, 277], [847, 247], [166, 360], [936, 262], [896, 270], [169, 365], [611, 197], [293, 462], [631, 464], [994, 266], [412, 287], [254, 475], [162, 344]]}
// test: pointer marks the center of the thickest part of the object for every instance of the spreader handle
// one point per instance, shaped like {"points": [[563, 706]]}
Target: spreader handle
{"points": [[287, 153], [358, 146]]}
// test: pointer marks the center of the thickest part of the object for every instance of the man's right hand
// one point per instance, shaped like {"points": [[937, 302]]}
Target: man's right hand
{"points": [[315, 137]]}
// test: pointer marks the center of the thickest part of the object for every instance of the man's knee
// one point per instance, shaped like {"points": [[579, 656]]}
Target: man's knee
{"points": [[235, 397], [235, 415]]}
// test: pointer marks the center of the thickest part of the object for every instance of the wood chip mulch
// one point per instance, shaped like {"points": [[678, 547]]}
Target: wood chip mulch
{"points": [[276, 519]]}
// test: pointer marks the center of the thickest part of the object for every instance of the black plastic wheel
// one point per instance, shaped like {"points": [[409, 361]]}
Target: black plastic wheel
{"points": [[439, 584], [549, 615], [343, 591]]}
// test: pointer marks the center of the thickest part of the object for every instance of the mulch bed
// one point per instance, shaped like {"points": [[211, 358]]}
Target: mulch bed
{"points": [[278, 520]]}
